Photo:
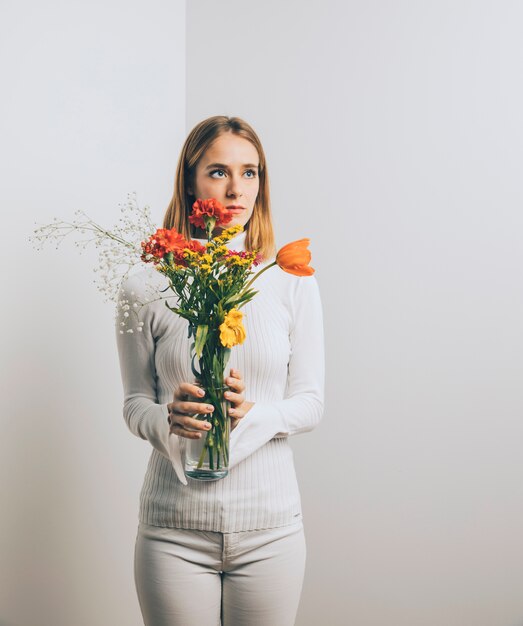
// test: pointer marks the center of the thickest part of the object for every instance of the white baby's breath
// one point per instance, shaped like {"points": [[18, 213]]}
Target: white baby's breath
{"points": [[119, 248]]}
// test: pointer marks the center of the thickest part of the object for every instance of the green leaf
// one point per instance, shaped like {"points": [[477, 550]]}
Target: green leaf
{"points": [[197, 374], [201, 337], [242, 297], [226, 355], [217, 369]]}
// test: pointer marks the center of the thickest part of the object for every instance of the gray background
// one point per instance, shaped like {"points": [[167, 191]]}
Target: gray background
{"points": [[393, 133]]}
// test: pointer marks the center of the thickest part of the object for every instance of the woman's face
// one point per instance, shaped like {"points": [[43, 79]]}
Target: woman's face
{"points": [[228, 172]]}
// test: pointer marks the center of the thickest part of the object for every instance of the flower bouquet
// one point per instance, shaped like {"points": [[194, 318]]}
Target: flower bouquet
{"points": [[211, 283]]}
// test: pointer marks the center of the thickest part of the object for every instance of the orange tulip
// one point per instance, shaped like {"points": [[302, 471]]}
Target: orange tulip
{"points": [[294, 258]]}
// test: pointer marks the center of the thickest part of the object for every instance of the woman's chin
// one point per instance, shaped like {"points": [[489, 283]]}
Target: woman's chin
{"points": [[241, 220]]}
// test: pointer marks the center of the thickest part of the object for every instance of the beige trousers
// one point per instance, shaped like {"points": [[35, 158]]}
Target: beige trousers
{"points": [[193, 577]]}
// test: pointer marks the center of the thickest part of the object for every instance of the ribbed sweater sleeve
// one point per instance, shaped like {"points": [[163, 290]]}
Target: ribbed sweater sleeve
{"points": [[144, 416], [302, 408]]}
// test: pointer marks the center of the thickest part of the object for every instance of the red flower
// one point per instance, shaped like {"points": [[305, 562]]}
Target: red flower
{"points": [[170, 239], [195, 246], [163, 241], [209, 208]]}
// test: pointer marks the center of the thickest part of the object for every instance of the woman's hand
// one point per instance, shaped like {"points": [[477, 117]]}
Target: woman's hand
{"points": [[239, 406], [181, 409]]}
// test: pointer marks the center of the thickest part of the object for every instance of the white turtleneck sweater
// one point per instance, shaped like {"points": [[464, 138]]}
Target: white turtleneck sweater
{"points": [[282, 364]]}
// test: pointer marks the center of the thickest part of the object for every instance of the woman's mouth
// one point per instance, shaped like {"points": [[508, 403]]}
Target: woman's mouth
{"points": [[235, 208]]}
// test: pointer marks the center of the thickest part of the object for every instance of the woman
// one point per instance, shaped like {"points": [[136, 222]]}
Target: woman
{"points": [[231, 549]]}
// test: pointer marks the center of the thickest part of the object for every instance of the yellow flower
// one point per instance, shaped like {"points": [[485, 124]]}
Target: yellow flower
{"points": [[229, 233], [220, 250], [232, 331]]}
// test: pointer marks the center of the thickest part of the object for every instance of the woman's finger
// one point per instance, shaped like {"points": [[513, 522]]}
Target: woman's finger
{"points": [[188, 389], [234, 398], [191, 408], [235, 381], [187, 426], [237, 412]]}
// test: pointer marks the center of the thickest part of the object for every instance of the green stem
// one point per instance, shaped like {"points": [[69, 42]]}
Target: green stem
{"points": [[258, 275], [202, 455]]}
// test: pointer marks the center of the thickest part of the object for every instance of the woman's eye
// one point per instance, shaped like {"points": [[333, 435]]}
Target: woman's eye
{"points": [[251, 171]]}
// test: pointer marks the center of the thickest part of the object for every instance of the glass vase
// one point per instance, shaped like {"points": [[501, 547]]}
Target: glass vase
{"points": [[207, 458]]}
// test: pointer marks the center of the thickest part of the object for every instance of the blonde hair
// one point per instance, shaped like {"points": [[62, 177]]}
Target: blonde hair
{"points": [[259, 229]]}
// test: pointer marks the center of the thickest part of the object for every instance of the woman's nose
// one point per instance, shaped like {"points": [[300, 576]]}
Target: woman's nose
{"points": [[234, 188]]}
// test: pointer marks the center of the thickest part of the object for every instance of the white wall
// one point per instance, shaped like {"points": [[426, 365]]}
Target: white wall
{"points": [[92, 108], [393, 132]]}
